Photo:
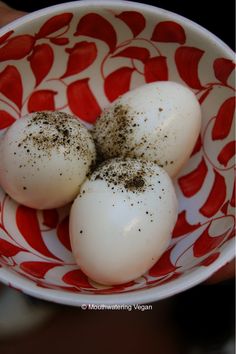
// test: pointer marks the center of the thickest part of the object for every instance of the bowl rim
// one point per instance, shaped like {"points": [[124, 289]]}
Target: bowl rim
{"points": [[114, 3], [143, 296]]}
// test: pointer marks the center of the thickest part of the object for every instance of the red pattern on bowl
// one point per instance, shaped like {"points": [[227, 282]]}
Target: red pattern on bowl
{"points": [[78, 60]]}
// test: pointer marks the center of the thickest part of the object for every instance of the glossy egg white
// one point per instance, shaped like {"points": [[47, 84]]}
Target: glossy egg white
{"points": [[122, 220], [159, 122], [45, 157]]}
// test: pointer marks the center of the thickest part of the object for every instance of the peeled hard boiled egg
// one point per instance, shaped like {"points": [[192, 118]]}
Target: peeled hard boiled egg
{"points": [[45, 157], [159, 122], [122, 220]]}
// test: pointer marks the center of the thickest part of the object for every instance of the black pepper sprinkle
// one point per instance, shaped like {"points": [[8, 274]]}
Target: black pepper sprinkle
{"points": [[135, 183], [128, 175], [56, 131]]}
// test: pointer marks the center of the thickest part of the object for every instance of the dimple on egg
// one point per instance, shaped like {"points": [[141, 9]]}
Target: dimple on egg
{"points": [[159, 122], [45, 157], [122, 220]]}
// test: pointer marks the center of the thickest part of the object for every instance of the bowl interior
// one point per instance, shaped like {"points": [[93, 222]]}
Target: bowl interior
{"points": [[78, 58]]}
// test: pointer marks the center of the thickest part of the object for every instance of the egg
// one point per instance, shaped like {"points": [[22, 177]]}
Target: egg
{"points": [[122, 220], [158, 121], [45, 157]]}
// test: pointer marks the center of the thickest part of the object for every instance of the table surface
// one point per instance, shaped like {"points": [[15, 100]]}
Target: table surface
{"points": [[198, 321]]}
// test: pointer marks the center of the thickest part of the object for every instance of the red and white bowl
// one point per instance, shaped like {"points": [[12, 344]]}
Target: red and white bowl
{"points": [[78, 57]]}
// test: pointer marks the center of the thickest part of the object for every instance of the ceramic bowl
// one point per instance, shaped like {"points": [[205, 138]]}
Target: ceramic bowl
{"points": [[78, 57]]}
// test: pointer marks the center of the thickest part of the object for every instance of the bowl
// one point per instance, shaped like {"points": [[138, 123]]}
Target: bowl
{"points": [[79, 57]]}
